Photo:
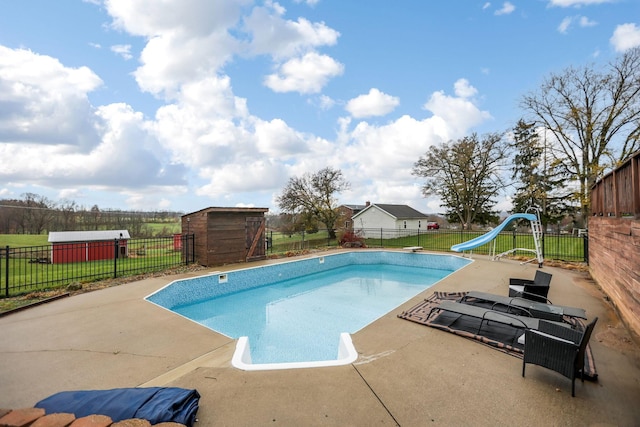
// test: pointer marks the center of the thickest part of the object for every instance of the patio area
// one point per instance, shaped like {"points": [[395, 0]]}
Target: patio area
{"points": [[406, 374]]}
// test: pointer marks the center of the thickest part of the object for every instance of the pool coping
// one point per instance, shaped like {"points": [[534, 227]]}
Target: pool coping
{"points": [[347, 352]]}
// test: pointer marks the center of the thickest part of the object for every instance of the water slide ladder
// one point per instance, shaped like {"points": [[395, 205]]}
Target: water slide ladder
{"points": [[536, 229]]}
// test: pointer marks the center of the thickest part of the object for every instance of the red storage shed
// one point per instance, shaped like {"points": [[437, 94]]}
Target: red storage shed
{"points": [[80, 246]]}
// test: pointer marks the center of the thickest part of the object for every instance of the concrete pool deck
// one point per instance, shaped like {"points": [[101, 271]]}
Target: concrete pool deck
{"points": [[406, 374]]}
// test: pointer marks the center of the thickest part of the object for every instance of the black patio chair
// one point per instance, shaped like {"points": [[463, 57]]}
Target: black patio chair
{"points": [[534, 290], [557, 348]]}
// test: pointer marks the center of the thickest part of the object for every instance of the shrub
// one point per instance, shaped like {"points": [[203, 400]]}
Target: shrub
{"points": [[351, 239]]}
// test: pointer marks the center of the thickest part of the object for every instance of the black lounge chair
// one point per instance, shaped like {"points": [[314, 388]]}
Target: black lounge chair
{"points": [[518, 323], [535, 290], [522, 306], [557, 348]]}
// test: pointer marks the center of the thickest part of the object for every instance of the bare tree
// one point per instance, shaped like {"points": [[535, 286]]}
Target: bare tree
{"points": [[314, 195], [466, 175], [594, 116], [39, 213]]}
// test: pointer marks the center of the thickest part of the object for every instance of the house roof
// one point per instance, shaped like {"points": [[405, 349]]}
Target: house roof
{"points": [[396, 211], [354, 207], [87, 236]]}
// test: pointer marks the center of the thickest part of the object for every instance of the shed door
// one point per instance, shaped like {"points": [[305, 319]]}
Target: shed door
{"points": [[255, 227]]}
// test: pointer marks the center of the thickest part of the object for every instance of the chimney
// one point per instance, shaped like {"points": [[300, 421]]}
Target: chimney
{"points": [[367, 203]]}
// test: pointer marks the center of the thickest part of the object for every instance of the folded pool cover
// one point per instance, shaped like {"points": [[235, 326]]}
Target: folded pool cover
{"points": [[155, 404]]}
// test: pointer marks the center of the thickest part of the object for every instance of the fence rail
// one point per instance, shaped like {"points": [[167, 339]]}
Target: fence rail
{"points": [[28, 269], [565, 247], [555, 246]]}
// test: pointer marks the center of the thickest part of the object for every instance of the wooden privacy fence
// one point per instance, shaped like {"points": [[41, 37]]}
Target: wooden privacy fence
{"points": [[618, 193], [614, 239]]}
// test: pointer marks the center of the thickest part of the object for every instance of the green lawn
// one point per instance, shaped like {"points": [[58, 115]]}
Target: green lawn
{"points": [[164, 229], [19, 240]]}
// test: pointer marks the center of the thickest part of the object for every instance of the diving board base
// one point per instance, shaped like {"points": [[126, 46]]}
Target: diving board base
{"points": [[412, 248]]}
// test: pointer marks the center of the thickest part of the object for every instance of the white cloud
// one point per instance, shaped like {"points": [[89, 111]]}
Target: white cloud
{"points": [[188, 42], [308, 2], [308, 74], [275, 139], [459, 113], [377, 159], [507, 8], [44, 102], [577, 3], [55, 138], [375, 103], [586, 22], [487, 5], [625, 36], [326, 102], [463, 89], [203, 131], [124, 50], [280, 38], [565, 24], [582, 21], [254, 176]]}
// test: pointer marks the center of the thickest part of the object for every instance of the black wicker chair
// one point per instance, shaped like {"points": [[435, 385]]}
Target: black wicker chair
{"points": [[535, 290], [557, 348]]}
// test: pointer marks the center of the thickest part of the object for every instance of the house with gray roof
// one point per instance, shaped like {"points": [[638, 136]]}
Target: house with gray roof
{"points": [[385, 220]]}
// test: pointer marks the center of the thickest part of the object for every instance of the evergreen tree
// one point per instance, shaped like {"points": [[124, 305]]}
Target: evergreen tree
{"points": [[539, 183]]}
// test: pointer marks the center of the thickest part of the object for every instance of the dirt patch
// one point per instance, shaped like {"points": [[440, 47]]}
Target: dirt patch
{"points": [[617, 337]]}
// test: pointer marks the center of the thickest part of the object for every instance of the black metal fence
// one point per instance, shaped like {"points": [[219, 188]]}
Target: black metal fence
{"points": [[33, 268], [555, 246]]}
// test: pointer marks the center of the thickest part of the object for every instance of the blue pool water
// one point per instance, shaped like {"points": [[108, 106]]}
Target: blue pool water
{"points": [[297, 317]]}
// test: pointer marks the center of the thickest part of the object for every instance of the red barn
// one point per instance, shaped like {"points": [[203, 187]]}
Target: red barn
{"points": [[80, 246]]}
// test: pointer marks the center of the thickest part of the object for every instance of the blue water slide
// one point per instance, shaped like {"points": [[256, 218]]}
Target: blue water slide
{"points": [[486, 238]]}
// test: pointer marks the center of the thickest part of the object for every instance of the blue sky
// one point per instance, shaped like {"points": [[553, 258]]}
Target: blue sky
{"points": [[185, 104]]}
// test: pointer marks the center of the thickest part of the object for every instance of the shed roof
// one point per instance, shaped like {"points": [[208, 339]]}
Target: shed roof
{"points": [[396, 211], [87, 236], [237, 210]]}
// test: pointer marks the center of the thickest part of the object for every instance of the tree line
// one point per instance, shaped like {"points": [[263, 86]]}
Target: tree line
{"points": [[37, 214], [580, 124]]}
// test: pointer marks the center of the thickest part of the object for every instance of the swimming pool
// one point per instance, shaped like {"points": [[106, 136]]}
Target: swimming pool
{"points": [[300, 313]]}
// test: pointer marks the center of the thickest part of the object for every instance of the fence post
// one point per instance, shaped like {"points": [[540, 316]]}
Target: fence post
{"points": [[115, 258], [586, 247], [193, 247], [185, 245], [6, 271], [380, 236]]}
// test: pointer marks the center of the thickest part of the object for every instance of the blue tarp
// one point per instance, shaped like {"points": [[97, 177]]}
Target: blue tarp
{"points": [[155, 404]]}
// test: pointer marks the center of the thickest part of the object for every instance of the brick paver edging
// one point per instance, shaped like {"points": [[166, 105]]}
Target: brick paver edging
{"points": [[36, 417]]}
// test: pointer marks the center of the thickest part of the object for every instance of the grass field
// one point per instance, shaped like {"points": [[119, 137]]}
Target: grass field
{"points": [[164, 229], [160, 229], [20, 240]]}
